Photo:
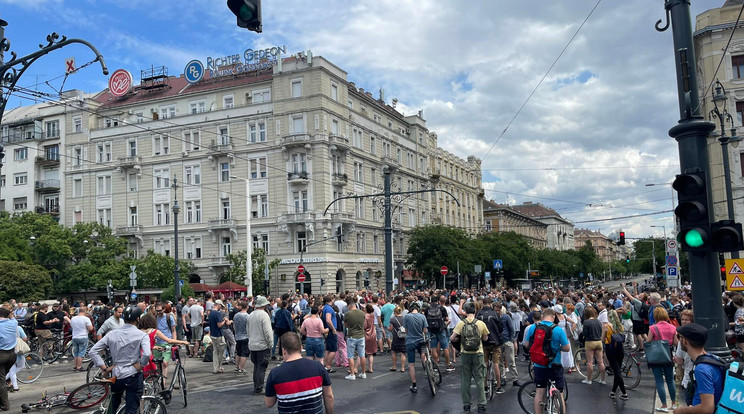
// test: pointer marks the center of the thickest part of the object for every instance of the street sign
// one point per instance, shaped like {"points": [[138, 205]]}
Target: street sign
{"points": [[734, 274], [444, 270], [671, 271], [672, 245], [498, 264], [70, 65], [132, 268], [300, 269], [487, 275], [133, 282], [301, 277], [671, 260], [478, 268]]}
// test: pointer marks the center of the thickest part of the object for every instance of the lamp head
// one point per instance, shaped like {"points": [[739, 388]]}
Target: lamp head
{"points": [[719, 96]]}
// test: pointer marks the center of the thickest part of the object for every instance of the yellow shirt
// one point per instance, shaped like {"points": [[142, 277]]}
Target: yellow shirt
{"points": [[482, 328]]}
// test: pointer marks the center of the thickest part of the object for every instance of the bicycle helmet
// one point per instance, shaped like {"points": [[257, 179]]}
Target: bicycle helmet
{"points": [[132, 313], [413, 306]]}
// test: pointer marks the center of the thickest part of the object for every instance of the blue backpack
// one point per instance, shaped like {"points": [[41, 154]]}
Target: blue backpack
{"points": [[732, 399]]}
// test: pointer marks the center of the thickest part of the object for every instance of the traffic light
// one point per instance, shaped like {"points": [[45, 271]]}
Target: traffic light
{"points": [[726, 236], [627, 259], [248, 13], [722, 264], [110, 291], [622, 239], [692, 211]]}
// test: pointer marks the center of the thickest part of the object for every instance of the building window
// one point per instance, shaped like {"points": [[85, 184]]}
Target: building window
{"points": [[20, 203], [372, 146], [2, 181], [259, 206], [133, 216], [193, 212], [737, 64], [103, 216], [132, 182], [163, 246], [299, 163], [110, 122], [224, 136], [258, 168], [375, 244], [350, 103], [192, 174], [161, 177], [162, 214], [103, 185], [140, 117], [334, 92], [20, 179], [77, 124], [78, 156], [193, 140], [193, 247], [224, 172], [52, 129], [300, 201], [358, 173], [297, 88], [228, 102], [298, 124], [167, 111], [357, 138], [373, 172], [258, 132], [77, 187], [197, 107], [301, 241], [359, 208], [226, 246], [161, 145], [398, 155], [226, 213], [104, 152], [132, 146], [411, 217], [20, 154], [261, 241]]}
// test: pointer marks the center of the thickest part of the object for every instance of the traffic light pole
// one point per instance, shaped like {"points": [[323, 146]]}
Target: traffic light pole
{"points": [[691, 135]]}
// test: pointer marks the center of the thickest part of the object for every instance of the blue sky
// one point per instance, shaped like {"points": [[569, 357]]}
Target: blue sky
{"points": [[586, 143]]}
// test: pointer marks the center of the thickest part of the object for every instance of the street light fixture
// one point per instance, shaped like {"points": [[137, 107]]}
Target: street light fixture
{"points": [[663, 228], [177, 270], [248, 242], [719, 99]]}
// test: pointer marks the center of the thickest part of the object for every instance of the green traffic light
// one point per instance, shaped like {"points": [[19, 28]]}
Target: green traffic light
{"points": [[246, 13], [693, 238]]}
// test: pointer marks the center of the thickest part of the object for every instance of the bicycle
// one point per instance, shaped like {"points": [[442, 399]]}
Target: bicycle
{"points": [[92, 372], [553, 403], [490, 381], [630, 368], [431, 370], [32, 368], [59, 345], [93, 394], [155, 382]]}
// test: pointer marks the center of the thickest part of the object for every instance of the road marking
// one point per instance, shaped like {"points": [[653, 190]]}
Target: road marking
{"points": [[383, 375]]}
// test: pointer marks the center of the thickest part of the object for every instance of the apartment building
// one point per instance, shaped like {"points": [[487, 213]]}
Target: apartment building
{"points": [[502, 218], [296, 129], [559, 232]]}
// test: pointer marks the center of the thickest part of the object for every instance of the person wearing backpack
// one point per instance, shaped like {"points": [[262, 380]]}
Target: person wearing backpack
{"points": [[472, 333], [492, 345], [436, 318], [640, 327], [416, 327], [546, 340], [709, 374]]}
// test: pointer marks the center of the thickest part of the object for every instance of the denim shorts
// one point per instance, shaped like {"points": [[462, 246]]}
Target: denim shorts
{"points": [[412, 350], [354, 345], [439, 339], [315, 347], [380, 333], [79, 347]]}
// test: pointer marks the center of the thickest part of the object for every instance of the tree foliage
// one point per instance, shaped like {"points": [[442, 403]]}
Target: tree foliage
{"points": [[23, 281], [236, 273], [157, 271]]}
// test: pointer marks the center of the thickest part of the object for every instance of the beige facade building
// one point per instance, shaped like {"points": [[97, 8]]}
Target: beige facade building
{"points": [[603, 246], [502, 218], [559, 232], [300, 132]]}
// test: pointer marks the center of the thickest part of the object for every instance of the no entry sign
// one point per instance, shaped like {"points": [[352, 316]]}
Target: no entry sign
{"points": [[444, 271]]}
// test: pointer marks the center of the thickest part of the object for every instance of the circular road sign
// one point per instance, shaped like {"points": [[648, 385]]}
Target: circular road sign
{"points": [[301, 277], [443, 270], [300, 269], [672, 244]]}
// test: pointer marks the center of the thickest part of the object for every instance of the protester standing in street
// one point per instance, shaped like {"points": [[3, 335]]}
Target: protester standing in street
{"points": [[8, 338], [218, 322], [81, 327], [260, 339], [472, 363]]}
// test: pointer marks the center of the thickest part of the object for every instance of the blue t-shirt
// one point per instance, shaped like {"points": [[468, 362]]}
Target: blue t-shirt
{"points": [[326, 310], [415, 324], [8, 334], [163, 327], [214, 318], [387, 312], [707, 376], [559, 340]]}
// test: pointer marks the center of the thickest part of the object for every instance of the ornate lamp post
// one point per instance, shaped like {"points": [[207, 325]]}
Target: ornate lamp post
{"points": [[177, 270]]}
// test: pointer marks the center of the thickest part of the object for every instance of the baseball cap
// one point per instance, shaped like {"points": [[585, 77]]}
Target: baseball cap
{"points": [[694, 332]]}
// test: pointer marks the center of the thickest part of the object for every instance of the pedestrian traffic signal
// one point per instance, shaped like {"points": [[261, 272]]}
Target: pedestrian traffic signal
{"points": [[692, 211], [248, 13], [726, 236], [622, 239]]}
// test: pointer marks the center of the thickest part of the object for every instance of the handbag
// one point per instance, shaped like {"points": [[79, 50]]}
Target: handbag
{"points": [[21, 346], [658, 351]]}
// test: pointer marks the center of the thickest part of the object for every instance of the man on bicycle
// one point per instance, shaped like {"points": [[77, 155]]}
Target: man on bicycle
{"points": [[547, 364], [415, 326]]}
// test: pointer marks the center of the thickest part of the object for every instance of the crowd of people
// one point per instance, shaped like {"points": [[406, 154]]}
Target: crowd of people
{"points": [[345, 331]]}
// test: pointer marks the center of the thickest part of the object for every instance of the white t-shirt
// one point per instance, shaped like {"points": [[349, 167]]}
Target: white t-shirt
{"points": [[603, 316], [79, 325], [378, 314], [196, 312], [453, 316]]}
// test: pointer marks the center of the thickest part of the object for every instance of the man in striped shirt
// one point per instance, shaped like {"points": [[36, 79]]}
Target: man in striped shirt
{"points": [[300, 385]]}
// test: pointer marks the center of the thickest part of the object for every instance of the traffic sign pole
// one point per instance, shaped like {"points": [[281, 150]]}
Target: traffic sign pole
{"points": [[444, 271]]}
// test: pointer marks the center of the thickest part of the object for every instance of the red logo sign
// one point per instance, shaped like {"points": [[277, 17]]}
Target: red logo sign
{"points": [[300, 269], [444, 271], [120, 82], [301, 277]]}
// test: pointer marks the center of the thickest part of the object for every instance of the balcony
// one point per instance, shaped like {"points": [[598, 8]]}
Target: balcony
{"points": [[220, 150], [435, 174], [295, 140], [386, 159], [298, 177], [19, 136], [53, 210], [129, 162], [48, 159], [124, 231], [219, 262], [46, 186], [342, 218], [338, 142], [294, 218], [339, 179], [214, 226], [53, 135]]}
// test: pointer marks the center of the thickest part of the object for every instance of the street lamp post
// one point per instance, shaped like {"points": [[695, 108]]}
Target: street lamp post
{"points": [[248, 243], [674, 218], [663, 228], [719, 98], [177, 270]]}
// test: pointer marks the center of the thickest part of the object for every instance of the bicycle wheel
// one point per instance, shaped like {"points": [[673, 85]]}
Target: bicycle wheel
{"points": [[580, 361], [437, 374], [33, 365], [182, 383], [489, 382], [430, 376], [148, 405], [87, 357], [531, 370], [565, 390], [48, 351], [88, 395], [526, 397], [153, 386], [631, 372], [557, 403]]}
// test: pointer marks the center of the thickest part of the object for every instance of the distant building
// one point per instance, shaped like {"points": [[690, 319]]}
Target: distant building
{"points": [[560, 231], [502, 218], [604, 246]]}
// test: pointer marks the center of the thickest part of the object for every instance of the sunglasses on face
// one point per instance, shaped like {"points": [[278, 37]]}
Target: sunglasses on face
{"points": [[158, 310]]}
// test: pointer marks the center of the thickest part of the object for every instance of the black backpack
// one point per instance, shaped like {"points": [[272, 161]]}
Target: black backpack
{"points": [[643, 312], [434, 318], [492, 319]]}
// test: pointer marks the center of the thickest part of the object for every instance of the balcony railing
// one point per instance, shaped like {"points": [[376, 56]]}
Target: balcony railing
{"points": [[54, 210], [18, 136], [340, 179], [219, 261], [220, 149], [128, 230], [47, 185], [221, 223], [300, 217], [128, 162], [340, 142], [297, 176], [295, 139], [47, 159]]}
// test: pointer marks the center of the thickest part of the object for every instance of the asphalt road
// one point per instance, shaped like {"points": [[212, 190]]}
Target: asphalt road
{"points": [[382, 392]]}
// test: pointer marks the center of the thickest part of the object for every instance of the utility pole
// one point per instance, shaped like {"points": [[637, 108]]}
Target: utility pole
{"points": [[691, 133], [387, 171], [177, 270]]}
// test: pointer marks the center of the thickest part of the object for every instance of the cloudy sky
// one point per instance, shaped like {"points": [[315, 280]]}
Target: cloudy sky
{"points": [[586, 143]]}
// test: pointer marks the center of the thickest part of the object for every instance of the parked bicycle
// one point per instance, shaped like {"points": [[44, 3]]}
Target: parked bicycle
{"points": [[60, 345], [32, 368], [552, 404], [431, 370], [155, 383]]}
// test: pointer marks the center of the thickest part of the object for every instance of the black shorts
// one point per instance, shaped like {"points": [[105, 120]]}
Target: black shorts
{"points": [[331, 342], [639, 328], [241, 348], [555, 373]]}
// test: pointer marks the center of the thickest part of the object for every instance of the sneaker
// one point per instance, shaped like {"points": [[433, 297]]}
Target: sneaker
{"points": [[624, 397], [330, 370], [466, 408], [499, 390], [350, 377], [517, 384], [612, 395], [481, 408], [363, 376], [414, 389], [588, 382], [662, 409], [450, 367], [603, 382]]}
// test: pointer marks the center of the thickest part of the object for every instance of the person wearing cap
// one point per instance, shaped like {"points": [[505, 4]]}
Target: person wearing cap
{"points": [[167, 326], [260, 340], [130, 351], [709, 376], [217, 322]]}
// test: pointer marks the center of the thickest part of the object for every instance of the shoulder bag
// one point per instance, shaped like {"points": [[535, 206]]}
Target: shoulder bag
{"points": [[21, 346], [658, 351]]}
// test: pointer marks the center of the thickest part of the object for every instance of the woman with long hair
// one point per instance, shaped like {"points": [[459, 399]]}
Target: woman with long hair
{"points": [[370, 337], [613, 346], [663, 330], [593, 345]]}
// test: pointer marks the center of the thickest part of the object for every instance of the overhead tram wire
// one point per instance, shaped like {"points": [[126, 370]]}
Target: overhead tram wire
{"points": [[542, 79]]}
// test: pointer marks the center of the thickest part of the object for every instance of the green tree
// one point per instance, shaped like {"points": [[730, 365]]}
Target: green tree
{"points": [[431, 247], [157, 271], [186, 291], [511, 248], [236, 273], [97, 257], [23, 281]]}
